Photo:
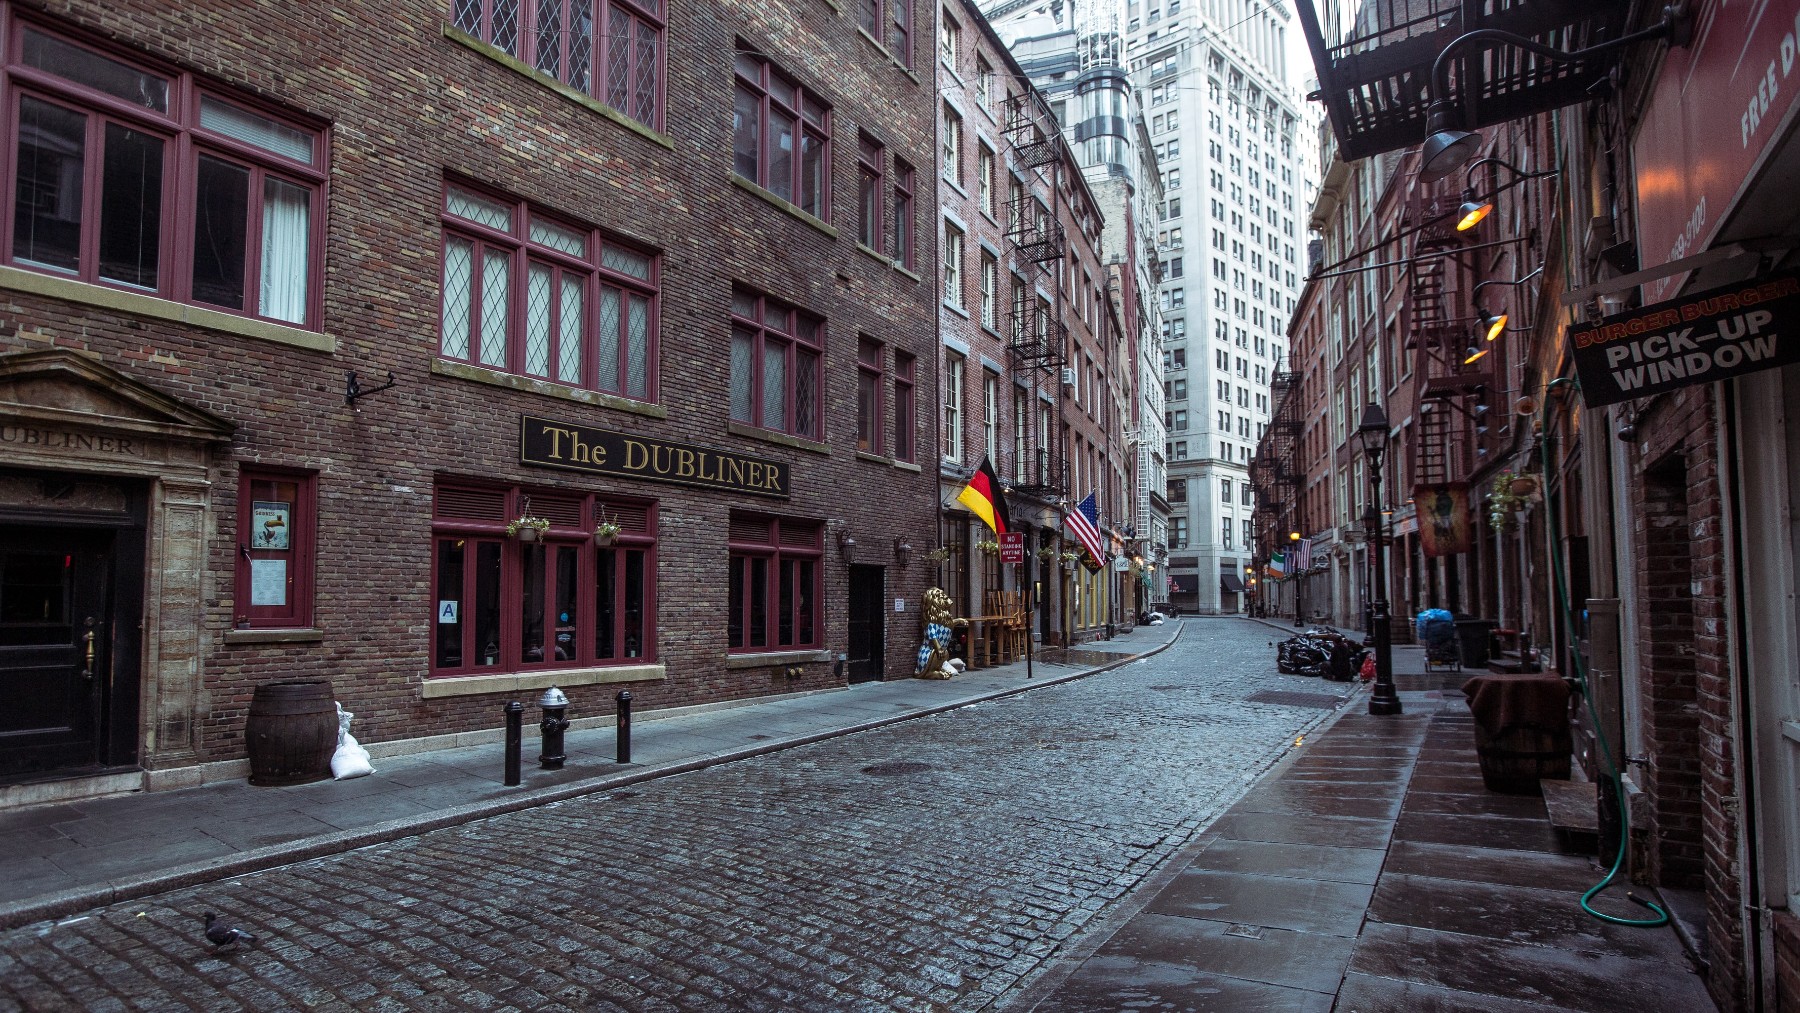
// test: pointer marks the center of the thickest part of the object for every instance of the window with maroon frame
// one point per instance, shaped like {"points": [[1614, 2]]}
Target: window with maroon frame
{"points": [[871, 158], [132, 175], [904, 181], [776, 355], [781, 135], [276, 533], [774, 584], [610, 49], [868, 397], [905, 372], [565, 599], [889, 22], [527, 293]]}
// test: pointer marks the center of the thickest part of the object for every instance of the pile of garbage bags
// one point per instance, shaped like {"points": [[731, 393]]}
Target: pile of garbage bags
{"points": [[1322, 652]]}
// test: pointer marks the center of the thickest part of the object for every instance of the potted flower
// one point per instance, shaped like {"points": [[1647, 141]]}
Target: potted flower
{"points": [[938, 556], [1047, 554], [1505, 498], [988, 546], [527, 529], [606, 532], [1069, 559]]}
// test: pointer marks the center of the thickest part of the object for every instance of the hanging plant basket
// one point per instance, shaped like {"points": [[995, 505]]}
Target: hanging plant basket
{"points": [[527, 529], [606, 533], [938, 556], [988, 547], [1070, 559], [1523, 486]]}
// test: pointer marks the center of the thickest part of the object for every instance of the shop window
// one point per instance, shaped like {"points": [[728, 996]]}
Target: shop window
{"points": [[138, 177], [274, 588], [565, 600], [775, 579]]}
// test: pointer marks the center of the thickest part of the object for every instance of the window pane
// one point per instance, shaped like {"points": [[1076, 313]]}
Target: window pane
{"points": [[449, 603], [634, 603], [865, 410], [259, 131], [487, 603], [867, 222], [774, 385], [812, 174], [618, 59], [605, 593], [496, 274], [734, 604], [644, 90], [286, 241], [558, 238], [581, 43], [784, 621], [759, 602], [47, 203], [531, 602], [221, 215], [805, 604], [130, 206], [568, 558], [743, 342], [505, 33], [459, 257], [626, 261], [637, 348], [464, 204], [549, 37], [608, 339], [745, 141], [538, 288], [806, 392], [781, 155], [572, 316], [83, 66]]}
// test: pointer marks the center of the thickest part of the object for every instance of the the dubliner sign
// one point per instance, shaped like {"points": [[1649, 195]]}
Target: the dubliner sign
{"points": [[1699, 338]]}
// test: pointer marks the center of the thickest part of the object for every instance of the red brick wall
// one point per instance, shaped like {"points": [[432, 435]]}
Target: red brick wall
{"points": [[406, 105], [1787, 962]]}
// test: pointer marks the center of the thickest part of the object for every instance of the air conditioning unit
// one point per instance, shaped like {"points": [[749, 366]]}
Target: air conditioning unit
{"points": [[1068, 376]]}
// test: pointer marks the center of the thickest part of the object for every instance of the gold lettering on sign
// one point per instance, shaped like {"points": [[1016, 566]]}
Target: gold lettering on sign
{"points": [[600, 451], [57, 439]]}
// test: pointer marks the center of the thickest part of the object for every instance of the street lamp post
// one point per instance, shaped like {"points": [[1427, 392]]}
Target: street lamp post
{"points": [[1299, 585], [1372, 433]]}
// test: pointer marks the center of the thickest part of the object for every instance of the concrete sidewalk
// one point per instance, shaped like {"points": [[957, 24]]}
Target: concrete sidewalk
{"points": [[69, 857], [1372, 870]]}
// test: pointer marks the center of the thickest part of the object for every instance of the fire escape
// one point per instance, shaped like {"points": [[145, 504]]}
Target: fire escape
{"points": [[1276, 472], [1453, 360], [1038, 339]]}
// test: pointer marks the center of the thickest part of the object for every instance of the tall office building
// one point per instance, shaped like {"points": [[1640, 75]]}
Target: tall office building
{"points": [[1233, 138]]}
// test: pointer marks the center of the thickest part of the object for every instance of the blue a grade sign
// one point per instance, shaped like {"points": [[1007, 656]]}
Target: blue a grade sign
{"points": [[1713, 335]]}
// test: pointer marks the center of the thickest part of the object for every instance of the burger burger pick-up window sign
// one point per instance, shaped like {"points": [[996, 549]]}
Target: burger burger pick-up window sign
{"points": [[1699, 338]]}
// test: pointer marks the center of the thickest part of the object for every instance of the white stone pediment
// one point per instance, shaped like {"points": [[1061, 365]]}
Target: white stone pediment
{"points": [[67, 388]]}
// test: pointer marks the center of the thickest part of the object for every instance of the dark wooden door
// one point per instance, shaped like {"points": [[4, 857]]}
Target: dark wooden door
{"points": [[866, 647], [55, 638]]}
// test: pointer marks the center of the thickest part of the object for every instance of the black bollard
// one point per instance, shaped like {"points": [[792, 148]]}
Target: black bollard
{"points": [[556, 721], [515, 740], [624, 733]]}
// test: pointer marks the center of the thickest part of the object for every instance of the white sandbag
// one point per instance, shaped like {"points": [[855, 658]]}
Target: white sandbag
{"points": [[351, 759]]}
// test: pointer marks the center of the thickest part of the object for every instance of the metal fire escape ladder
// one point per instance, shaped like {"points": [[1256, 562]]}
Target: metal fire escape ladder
{"points": [[1440, 338], [1038, 339]]}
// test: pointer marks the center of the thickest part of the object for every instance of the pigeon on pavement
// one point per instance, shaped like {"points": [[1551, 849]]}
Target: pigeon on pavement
{"points": [[222, 933]]}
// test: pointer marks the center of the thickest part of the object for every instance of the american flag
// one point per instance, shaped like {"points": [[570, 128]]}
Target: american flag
{"points": [[1084, 521], [1302, 560]]}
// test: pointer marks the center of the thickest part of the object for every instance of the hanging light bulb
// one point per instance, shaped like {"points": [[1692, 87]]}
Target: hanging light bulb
{"points": [[1472, 211]]}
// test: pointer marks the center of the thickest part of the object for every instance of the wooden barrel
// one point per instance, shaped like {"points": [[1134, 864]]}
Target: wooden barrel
{"points": [[291, 732], [1515, 760]]}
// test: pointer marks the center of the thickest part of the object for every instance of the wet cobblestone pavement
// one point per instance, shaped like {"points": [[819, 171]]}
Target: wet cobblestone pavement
{"points": [[936, 864]]}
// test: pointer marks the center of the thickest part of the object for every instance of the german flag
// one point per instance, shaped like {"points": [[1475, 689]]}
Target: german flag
{"points": [[984, 499]]}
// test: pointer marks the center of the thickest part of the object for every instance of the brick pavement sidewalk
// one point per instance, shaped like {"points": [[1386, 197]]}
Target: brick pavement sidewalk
{"points": [[68, 857], [1372, 870]]}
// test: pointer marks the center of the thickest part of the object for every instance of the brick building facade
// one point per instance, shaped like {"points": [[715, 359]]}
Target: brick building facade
{"points": [[611, 265]]}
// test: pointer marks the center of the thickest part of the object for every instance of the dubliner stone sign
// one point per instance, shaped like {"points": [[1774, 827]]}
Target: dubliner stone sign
{"points": [[554, 444], [1707, 336]]}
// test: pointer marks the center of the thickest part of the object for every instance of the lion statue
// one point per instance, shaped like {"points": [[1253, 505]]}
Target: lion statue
{"points": [[940, 619]]}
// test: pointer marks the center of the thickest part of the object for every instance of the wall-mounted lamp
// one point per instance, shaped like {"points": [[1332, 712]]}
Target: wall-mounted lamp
{"points": [[1474, 355], [1448, 145], [1472, 211], [846, 545], [1492, 324], [902, 551]]}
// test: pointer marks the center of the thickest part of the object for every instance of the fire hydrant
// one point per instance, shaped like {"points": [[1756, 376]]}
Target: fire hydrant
{"points": [[555, 706]]}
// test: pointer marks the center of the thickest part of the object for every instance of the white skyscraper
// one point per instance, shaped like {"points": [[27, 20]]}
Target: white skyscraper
{"points": [[1236, 147]]}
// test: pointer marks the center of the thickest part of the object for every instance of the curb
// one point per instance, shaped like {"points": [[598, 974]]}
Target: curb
{"points": [[66, 902]]}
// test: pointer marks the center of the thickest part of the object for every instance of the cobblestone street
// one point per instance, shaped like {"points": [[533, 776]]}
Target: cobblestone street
{"points": [[935, 864]]}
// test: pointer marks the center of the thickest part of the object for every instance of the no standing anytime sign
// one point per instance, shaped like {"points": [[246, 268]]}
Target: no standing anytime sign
{"points": [[1699, 338]]}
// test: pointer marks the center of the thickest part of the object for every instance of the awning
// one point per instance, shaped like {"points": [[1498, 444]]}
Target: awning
{"points": [[1230, 584], [1184, 583]]}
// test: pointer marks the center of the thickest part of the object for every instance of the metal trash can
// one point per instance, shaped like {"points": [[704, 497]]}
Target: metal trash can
{"points": [[1472, 637]]}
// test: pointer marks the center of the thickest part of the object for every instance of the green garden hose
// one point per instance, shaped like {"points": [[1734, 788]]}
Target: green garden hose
{"points": [[1568, 615]]}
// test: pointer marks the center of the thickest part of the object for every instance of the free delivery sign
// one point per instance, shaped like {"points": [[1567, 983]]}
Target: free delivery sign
{"points": [[1699, 338]]}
